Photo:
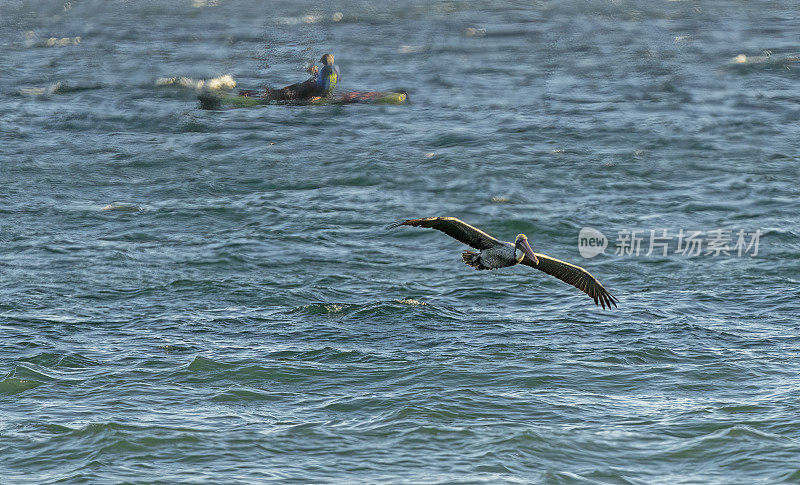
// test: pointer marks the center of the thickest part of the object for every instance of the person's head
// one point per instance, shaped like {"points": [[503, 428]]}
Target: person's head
{"points": [[327, 59]]}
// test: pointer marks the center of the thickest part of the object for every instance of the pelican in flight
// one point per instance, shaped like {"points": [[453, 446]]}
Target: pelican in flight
{"points": [[500, 254]]}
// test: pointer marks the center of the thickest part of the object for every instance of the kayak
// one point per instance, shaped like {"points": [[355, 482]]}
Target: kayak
{"points": [[249, 98]]}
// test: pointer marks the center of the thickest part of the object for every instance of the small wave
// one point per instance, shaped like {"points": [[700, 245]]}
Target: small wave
{"points": [[21, 379], [313, 18], [767, 60], [376, 310], [743, 59], [203, 369], [26, 373], [439, 432], [324, 309], [194, 126], [525, 438], [204, 3], [354, 181], [13, 385], [245, 395], [218, 83], [204, 364], [411, 301], [58, 88], [411, 49], [455, 139], [39, 90], [70, 361], [175, 348], [119, 438], [60, 41], [122, 207], [325, 354], [741, 431], [571, 477], [643, 356], [64, 88]]}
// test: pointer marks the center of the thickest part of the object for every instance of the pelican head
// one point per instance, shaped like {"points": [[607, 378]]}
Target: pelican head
{"points": [[521, 244]]}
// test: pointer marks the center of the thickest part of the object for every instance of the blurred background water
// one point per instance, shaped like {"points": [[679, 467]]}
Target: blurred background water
{"points": [[212, 296]]}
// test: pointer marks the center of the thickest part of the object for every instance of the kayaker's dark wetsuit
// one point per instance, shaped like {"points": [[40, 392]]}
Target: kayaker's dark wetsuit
{"points": [[321, 85]]}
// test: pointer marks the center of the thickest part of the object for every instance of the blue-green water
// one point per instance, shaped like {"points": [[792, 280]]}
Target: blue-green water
{"points": [[212, 296]]}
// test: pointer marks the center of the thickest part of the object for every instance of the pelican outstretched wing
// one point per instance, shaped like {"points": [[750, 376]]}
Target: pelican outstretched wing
{"points": [[575, 276], [455, 228]]}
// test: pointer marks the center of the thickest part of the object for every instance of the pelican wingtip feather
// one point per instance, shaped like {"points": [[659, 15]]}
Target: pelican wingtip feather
{"points": [[410, 222]]}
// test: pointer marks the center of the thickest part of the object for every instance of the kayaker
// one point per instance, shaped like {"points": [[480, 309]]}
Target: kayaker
{"points": [[321, 84], [328, 76]]}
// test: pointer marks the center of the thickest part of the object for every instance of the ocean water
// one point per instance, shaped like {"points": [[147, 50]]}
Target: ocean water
{"points": [[192, 296]]}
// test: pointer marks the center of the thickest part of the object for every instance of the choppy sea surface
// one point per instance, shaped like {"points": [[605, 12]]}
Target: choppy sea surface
{"points": [[213, 296]]}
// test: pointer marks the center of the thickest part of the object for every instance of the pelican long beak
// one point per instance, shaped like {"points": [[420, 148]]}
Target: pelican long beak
{"points": [[527, 249]]}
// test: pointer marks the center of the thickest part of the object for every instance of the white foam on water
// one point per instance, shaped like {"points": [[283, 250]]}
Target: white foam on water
{"points": [[306, 19], [62, 42], [121, 207], [225, 81], [743, 59], [767, 57], [40, 91], [412, 302]]}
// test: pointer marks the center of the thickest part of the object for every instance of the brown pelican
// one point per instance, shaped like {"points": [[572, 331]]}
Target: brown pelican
{"points": [[499, 254]]}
